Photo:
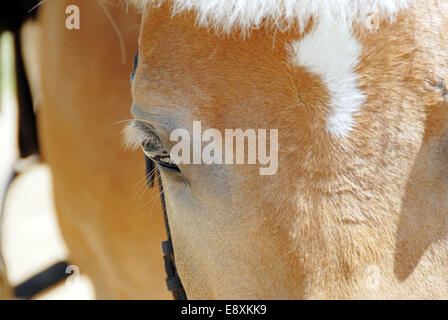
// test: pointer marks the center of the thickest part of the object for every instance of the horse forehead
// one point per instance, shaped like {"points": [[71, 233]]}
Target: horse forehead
{"points": [[191, 64], [247, 14], [197, 68], [263, 72]]}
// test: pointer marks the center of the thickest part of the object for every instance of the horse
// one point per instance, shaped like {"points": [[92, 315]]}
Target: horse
{"points": [[111, 224], [357, 91]]}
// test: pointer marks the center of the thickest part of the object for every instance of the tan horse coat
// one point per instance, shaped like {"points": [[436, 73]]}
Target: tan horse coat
{"points": [[357, 215], [112, 228], [362, 214]]}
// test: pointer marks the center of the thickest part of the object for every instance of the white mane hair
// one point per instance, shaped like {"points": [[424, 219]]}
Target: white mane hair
{"points": [[228, 15]]}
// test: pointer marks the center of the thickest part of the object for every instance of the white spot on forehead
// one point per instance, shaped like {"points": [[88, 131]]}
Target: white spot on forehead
{"points": [[332, 52]]}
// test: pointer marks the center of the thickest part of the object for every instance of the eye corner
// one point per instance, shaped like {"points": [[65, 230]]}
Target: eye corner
{"points": [[139, 135]]}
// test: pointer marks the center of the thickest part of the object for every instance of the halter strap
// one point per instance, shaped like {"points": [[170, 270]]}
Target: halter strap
{"points": [[173, 282]]}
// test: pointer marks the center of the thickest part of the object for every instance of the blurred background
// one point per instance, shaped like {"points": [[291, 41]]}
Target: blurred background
{"points": [[30, 237], [73, 84]]}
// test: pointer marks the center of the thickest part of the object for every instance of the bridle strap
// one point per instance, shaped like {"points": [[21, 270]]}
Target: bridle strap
{"points": [[173, 281]]}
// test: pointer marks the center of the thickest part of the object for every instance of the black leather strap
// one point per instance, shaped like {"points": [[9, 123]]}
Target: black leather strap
{"points": [[14, 13], [28, 140], [173, 282], [12, 16], [150, 172]]}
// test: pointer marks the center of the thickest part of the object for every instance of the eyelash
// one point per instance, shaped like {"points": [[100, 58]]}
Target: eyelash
{"points": [[138, 135], [152, 144]]}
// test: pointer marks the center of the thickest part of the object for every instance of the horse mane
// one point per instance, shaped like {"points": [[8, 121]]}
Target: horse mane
{"points": [[230, 15]]}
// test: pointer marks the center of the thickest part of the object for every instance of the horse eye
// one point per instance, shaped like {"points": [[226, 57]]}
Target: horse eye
{"points": [[153, 149], [151, 144]]}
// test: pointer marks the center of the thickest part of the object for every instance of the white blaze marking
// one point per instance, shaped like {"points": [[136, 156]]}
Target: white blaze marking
{"points": [[332, 52]]}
